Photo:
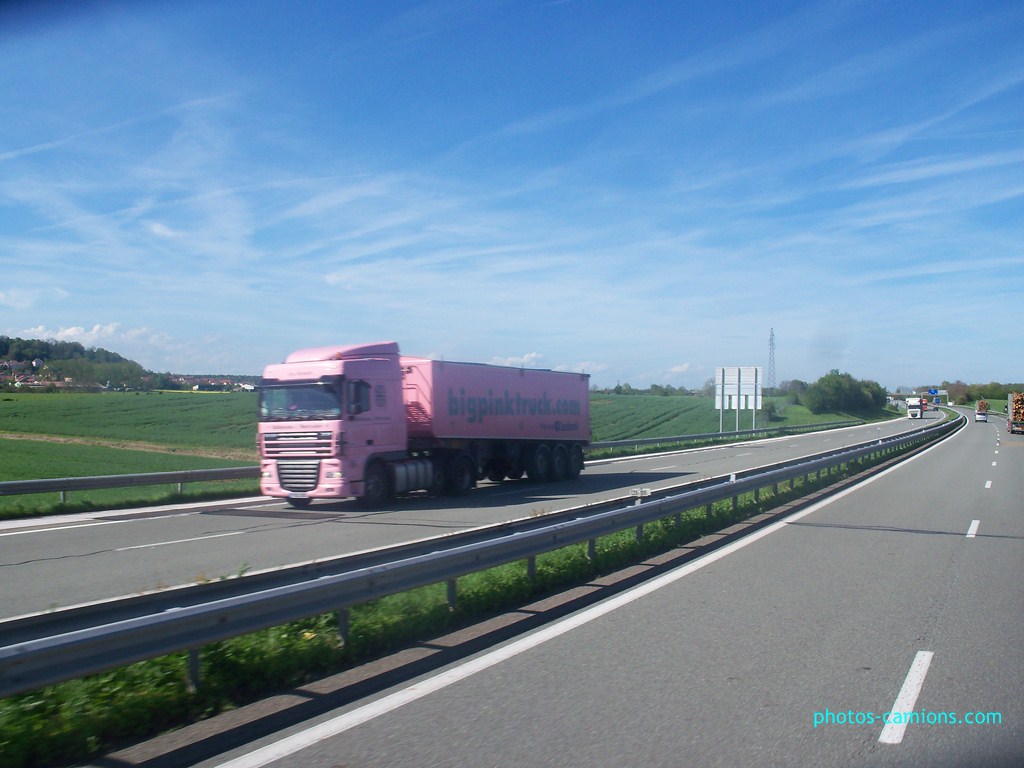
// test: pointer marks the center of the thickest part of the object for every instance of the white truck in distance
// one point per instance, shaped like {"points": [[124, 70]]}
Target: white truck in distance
{"points": [[916, 407]]}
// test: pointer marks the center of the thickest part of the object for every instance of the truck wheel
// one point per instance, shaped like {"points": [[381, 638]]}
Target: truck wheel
{"points": [[376, 489], [575, 461], [559, 463], [538, 466], [461, 475]]}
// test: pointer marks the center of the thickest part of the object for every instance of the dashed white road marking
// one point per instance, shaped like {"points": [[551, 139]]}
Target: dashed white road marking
{"points": [[892, 733]]}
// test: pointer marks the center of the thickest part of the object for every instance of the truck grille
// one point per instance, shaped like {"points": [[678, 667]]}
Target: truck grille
{"points": [[297, 444], [298, 475]]}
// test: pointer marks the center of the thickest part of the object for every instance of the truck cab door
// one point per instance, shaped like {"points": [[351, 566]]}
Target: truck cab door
{"points": [[374, 411]]}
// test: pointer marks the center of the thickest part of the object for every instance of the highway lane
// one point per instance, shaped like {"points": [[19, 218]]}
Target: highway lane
{"points": [[731, 659], [70, 560]]}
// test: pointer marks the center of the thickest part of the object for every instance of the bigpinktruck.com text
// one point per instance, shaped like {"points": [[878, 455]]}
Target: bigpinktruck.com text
{"points": [[475, 408]]}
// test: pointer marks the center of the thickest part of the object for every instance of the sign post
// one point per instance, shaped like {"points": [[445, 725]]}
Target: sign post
{"points": [[739, 388]]}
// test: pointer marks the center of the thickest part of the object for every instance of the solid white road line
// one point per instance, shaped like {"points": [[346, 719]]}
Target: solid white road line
{"points": [[180, 541], [48, 523], [59, 528], [892, 733], [973, 530]]}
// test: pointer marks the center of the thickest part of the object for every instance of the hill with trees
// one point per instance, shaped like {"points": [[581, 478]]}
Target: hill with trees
{"points": [[67, 362]]}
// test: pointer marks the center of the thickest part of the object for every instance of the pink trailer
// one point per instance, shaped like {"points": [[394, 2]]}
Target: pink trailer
{"points": [[363, 421], [468, 400]]}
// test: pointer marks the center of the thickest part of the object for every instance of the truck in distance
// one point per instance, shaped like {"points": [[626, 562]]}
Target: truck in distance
{"points": [[1015, 413], [367, 422], [915, 407], [981, 410]]}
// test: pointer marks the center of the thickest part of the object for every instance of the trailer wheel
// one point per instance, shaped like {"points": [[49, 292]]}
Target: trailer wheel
{"points": [[559, 463], [538, 465], [575, 461], [376, 488], [461, 475]]}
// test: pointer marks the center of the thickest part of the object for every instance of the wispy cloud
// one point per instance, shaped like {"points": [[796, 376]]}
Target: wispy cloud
{"points": [[651, 218]]}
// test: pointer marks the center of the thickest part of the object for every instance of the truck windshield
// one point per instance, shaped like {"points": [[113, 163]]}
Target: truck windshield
{"points": [[300, 401]]}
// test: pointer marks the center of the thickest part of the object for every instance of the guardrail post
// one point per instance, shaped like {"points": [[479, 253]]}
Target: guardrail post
{"points": [[592, 549], [193, 669], [343, 624], [452, 593], [639, 494], [531, 568], [63, 497]]}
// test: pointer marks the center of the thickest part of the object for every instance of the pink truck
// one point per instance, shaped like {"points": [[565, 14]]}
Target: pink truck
{"points": [[365, 421]]}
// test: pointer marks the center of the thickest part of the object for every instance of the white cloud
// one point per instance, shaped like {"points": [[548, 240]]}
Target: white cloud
{"points": [[18, 299], [589, 367], [99, 333], [529, 360], [161, 230], [153, 349]]}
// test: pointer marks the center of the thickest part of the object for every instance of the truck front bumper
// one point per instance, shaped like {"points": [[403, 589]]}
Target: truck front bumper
{"points": [[304, 479]]}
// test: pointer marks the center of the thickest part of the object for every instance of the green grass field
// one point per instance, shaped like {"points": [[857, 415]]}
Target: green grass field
{"points": [[622, 417], [196, 422], [79, 435], [26, 459]]}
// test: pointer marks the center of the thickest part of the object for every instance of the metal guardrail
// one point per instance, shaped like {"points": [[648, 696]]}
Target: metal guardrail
{"points": [[63, 485], [66, 644], [792, 429]]}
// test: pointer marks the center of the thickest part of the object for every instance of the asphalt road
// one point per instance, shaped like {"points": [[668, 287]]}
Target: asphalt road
{"points": [[904, 594], [69, 560]]}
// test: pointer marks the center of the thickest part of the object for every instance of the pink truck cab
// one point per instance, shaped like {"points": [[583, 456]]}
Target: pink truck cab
{"points": [[365, 422]]}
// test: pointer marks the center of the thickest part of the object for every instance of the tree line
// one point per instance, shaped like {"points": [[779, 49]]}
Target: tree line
{"points": [[69, 360], [962, 394], [834, 392], [27, 350]]}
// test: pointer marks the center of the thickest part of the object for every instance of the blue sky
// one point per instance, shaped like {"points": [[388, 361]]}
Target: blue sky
{"points": [[640, 190]]}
